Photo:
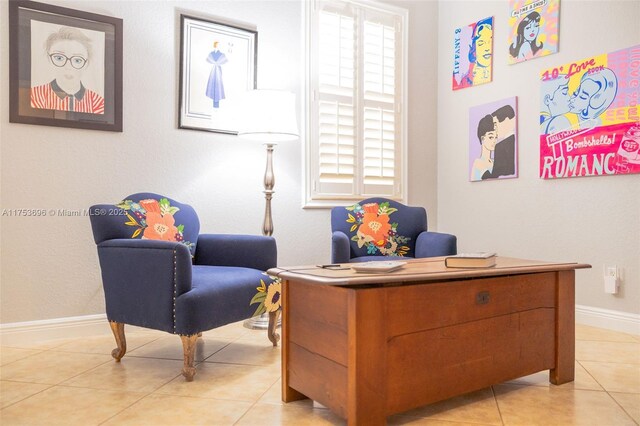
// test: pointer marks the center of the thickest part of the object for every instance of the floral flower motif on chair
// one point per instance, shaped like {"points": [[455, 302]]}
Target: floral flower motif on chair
{"points": [[160, 227], [268, 296], [373, 230], [154, 220]]}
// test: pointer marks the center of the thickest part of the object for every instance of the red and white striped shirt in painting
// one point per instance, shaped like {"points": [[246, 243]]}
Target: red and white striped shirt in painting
{"points": [[50, 96]]}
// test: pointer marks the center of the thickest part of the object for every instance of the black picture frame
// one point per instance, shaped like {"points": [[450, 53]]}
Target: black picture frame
{"points": [[41, 39], [237, 50]]}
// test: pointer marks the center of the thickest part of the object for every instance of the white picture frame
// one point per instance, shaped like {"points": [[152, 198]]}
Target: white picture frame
{"points": [[217, 66]]}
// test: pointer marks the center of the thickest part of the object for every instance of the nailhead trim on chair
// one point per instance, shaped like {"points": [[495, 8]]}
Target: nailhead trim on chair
{"points": [[175, 271]]}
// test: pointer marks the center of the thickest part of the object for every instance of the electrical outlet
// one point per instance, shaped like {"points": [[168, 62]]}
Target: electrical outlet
{"points": [[611, 275]]}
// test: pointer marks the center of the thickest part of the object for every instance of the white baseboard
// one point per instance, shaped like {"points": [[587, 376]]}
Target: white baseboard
{"points": [[30, 332], [609, 319]]}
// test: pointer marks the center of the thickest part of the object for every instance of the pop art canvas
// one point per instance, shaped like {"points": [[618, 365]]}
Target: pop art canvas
{"points": [[473, 54], [589, 116], [534, 29], [493, 140]]}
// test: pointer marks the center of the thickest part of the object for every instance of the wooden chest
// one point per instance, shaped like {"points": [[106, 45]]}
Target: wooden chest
{"points": [[369, 351]]}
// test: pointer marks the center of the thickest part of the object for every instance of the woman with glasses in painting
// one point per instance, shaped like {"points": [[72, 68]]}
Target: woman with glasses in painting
{"points": [[69, 52]]}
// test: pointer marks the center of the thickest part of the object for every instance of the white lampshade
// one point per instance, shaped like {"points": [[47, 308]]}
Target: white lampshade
{"points": [[268, 116]]}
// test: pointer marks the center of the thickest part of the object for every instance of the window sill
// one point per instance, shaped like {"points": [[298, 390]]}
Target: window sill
{"points": [[331, 203]]}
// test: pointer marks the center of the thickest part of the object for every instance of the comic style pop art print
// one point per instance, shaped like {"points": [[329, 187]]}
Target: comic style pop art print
{"points": [[473, 54], [589, 116], [493, 140], [533, 29]]}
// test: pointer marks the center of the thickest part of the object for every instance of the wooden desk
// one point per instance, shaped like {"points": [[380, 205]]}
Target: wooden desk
{"points": [[371, 345]]}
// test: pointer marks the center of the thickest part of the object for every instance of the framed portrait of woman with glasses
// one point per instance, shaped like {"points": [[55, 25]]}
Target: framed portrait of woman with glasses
{"points": [[65, 67]]}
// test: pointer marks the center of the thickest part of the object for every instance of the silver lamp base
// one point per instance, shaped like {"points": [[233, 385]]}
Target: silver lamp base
{"points": [[261, 322]]}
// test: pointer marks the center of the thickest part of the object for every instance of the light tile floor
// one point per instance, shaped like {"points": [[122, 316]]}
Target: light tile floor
{"points": [[76, 382]]}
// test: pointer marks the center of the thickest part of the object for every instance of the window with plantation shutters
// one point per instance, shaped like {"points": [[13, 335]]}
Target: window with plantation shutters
{"points": [[356, 80]]}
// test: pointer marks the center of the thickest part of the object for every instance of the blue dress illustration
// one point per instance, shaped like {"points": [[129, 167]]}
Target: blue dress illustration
{"points": [[215, 87]]}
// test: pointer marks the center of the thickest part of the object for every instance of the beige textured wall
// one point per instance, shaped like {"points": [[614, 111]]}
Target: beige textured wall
{"points": [[593, 220], [49, 266], [423, 87]]}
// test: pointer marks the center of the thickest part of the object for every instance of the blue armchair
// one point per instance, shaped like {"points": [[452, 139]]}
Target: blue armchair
{"points": [[379, 227], [158, 272]]}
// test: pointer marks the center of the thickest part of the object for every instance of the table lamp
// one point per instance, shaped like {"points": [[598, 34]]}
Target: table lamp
{"points": [[269, 117]]}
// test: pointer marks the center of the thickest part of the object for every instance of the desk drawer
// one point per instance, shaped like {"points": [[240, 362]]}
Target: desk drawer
{"points": [[415, 308]]}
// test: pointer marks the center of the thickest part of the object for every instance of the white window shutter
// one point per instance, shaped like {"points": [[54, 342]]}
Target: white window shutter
{"points": [[336, 146], [336, 51], [356, 124], [379, 152], [335, 117], [381, 138]]}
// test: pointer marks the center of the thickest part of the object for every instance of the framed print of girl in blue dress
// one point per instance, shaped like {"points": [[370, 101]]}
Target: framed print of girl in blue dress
{"points": [[217, 67]]}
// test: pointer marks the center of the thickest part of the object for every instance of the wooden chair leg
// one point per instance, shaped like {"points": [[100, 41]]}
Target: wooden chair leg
{"points": [[273, 336], [118, 332], [189, 349]]}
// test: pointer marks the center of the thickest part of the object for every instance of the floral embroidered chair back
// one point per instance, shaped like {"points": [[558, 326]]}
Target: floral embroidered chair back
{"points": [[148, 216], [380, 227]]}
